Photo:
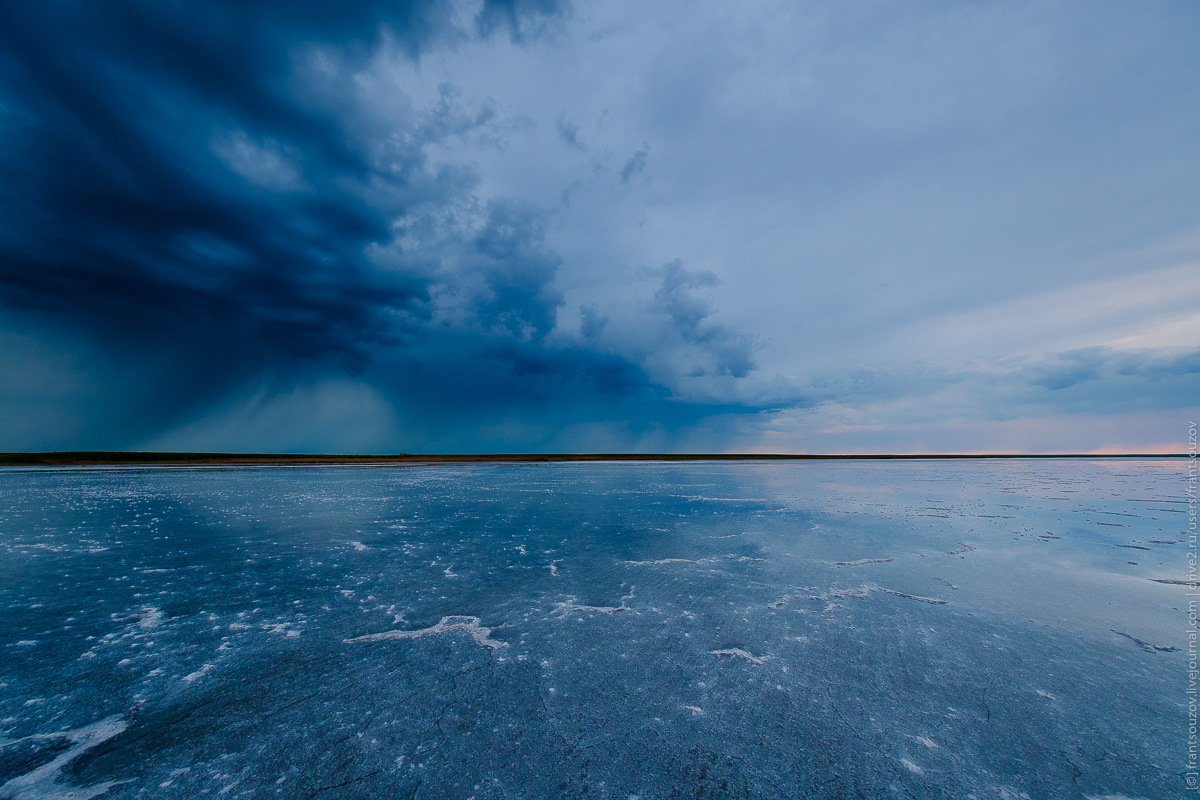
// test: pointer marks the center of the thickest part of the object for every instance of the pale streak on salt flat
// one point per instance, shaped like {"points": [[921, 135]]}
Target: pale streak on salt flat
{"points": [[44, 782], [866, 590], [737, 652], [563, 609], [480, 634]]}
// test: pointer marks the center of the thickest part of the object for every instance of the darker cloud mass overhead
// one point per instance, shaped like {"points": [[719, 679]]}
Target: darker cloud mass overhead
{"points": [[729, 352], [172, 166], [635, 166], [200, 181]]}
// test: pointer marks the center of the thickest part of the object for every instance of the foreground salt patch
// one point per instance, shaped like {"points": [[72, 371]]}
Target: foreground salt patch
{"points": [[480, 634], [563, 609], [43, 783], [737, 652], [567, 608], [150, 618], [283, 629], [198, 674]]}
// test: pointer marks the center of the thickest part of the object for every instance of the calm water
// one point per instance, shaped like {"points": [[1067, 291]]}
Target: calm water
{"points": [[816, 629]]}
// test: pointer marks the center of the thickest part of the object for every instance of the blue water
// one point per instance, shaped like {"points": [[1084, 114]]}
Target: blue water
{"points": [[807, 629]]}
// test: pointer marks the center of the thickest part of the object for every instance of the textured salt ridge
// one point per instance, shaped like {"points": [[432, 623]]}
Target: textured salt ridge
{"points": [[737, 652], [43, 782], [480, 634], [931, 600], [150, 618], [868, 590], [1147, 646], [862, 561], [569, 607], [198, 674]]}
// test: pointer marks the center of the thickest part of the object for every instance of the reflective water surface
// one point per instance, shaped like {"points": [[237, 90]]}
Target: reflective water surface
{"points": [[993, 629]]}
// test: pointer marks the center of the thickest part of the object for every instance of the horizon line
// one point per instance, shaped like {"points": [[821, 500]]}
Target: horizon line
{"points": [[68, 458]]}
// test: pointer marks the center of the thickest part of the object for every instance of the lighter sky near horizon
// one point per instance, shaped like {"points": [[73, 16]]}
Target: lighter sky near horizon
{"points": [[543, 226]]}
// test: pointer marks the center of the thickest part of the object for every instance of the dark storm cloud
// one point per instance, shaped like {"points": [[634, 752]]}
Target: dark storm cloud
{"points": [[635, 165], [591, 321], [164, 172], [1100, 379], [518, 395], [1073, 368], [450, 118], [1088, 380], [216, 214], [729, 351], [516, 268], [569, 133], [523, 19], [1078, 367], [199, 188]]}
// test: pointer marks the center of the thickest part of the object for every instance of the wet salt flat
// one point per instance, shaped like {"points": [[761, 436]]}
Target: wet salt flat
{"points": [[986, 629]]}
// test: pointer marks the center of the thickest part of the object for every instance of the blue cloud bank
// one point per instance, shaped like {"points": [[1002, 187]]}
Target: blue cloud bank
{"points": [[419, 226]]}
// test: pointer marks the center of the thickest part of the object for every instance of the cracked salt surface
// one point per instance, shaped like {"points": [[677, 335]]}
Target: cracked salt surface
{"points": [[267, 633]]}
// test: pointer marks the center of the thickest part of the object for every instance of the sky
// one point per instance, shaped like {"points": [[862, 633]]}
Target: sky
{"points": [[552, 226]]}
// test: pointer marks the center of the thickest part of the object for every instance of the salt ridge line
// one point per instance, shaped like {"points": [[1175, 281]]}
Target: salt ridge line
{"points": [[737, 652], [566, 608], [867, 590], [480, 634]]}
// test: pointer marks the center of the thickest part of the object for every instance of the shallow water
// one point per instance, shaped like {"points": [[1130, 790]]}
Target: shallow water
{"points": [[763, 629]]}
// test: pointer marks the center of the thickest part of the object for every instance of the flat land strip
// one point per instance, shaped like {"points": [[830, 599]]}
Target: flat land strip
{"points": [[129, 458]]}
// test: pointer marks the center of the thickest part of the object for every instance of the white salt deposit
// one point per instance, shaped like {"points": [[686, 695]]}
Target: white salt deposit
{"points": [[43, 782], [480, 634]]}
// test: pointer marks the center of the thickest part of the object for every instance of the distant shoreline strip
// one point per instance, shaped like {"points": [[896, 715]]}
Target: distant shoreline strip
{"points": [[124, 458]]}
